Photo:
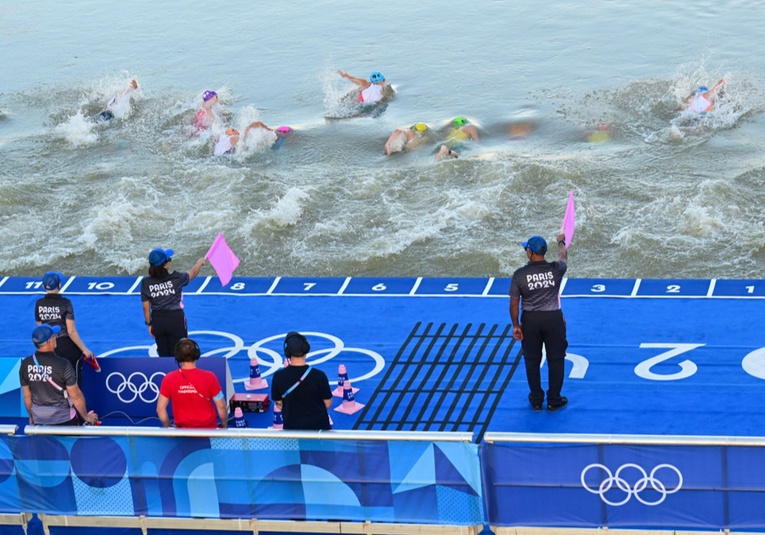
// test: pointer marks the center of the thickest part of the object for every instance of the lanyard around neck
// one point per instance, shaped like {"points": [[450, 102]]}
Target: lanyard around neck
{"points": [[297, 384], [45, 374]]}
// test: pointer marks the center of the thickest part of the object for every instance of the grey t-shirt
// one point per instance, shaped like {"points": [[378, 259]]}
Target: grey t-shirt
{"points": [[49, 404], [54, 309], [538, 285], [164, 294]]}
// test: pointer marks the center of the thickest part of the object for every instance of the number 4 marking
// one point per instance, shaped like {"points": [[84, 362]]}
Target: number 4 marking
{"points": [[687, 368]]}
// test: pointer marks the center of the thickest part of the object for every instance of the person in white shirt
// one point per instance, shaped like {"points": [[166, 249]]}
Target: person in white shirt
{"points": [[703, 99], [373, 90]]}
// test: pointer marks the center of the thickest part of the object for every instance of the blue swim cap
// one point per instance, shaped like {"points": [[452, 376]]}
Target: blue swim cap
{"points": [[703, 89], [376, 77]]}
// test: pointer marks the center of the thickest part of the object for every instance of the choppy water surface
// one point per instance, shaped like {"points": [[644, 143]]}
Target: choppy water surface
{"points": [[653, 201]]}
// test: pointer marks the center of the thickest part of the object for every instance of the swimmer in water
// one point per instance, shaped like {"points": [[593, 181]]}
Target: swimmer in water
{"points": [[460, 131], [406, 139], [373, 90], [276, 136], [445, 153], [230, 139], [282, 133], [107, 114], [601, 134], [227, 143], [522, 123], [206, 116], [703, 99]]}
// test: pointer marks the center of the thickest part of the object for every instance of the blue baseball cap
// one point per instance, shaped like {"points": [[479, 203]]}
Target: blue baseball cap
{"points": [[52, 280], [42, 333], [536, 244], [158, 256]]}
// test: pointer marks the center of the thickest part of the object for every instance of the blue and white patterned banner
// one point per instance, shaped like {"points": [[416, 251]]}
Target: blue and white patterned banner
{"points": [[279, 479]]}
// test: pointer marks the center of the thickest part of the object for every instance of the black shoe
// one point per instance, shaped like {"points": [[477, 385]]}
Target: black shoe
{"points": [[536, 406], [552, 407]]}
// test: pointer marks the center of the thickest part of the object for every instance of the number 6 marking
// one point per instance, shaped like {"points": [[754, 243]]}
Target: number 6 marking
{"points": [[687, 368]]}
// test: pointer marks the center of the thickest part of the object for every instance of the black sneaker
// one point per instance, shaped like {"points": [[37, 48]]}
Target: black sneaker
{"points": [[552, 407], [536, 406]]}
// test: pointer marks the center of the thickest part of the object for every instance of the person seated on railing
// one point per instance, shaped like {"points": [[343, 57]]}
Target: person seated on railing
{"points": [[302, 392], [198, 399], [49, 386]]}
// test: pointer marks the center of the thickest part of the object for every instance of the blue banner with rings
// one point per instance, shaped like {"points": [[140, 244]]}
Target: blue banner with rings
{"points": [[224, 477], [624, 486]]}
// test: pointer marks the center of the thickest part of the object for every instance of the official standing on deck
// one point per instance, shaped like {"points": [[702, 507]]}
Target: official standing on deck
{"points": [[57, 311], [162, 299], [537, 285]]}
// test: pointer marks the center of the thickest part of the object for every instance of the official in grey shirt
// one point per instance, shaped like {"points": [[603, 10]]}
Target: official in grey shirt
{"points": [[48, 384], [536, 289], [162, 300]]}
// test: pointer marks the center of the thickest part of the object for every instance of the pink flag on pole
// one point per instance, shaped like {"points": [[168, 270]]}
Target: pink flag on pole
{"points": [[569, 220], [222, 259]]}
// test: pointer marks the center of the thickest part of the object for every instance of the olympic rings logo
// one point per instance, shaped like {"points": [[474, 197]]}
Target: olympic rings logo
{"points": [[639, 486], [136, 389], [315, 357], [269, 358]]}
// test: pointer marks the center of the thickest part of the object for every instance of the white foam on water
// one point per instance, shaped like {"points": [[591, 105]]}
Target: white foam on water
{"points": [[284, 212], [77, 130]]}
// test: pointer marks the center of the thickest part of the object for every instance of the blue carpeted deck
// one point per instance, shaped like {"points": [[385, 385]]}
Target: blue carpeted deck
{"points": [[682, 357]]}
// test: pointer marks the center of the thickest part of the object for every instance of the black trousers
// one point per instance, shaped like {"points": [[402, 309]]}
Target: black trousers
{"points": [[549, 329], [67, 349], [168, 327]]}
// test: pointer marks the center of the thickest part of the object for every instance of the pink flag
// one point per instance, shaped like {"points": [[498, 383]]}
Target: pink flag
{"points": [[569, 220], [222, 259]]}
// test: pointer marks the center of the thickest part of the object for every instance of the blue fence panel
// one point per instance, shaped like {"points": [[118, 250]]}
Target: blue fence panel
{"points": [[624, 486], [225, 477]]}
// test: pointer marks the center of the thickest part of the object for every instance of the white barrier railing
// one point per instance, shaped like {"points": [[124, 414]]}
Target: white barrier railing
{"points": [[656, 440], [428, 436], [145, 523]]}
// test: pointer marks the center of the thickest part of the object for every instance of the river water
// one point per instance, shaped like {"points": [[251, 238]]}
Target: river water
{"points": [[653, 201]]}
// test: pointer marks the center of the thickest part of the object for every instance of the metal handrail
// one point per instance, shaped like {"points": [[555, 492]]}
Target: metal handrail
{"points": [[656, 440], [424, 436]]}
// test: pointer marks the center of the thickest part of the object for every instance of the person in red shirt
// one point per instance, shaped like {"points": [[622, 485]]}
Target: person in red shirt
{"points": [[198, 400]]}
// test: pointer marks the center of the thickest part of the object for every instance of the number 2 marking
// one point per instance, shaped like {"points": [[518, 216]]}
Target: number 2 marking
{"points": [[687, 368]]}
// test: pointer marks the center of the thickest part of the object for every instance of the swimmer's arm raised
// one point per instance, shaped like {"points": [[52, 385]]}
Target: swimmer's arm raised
{"points": [[256, 124], [358, 81]]}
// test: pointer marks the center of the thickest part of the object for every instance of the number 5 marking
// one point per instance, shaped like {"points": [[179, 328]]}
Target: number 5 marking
{"points": [[687, 368]]}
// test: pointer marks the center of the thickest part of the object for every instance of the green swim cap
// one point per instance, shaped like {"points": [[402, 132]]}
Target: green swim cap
{"points": [[459, 121]]}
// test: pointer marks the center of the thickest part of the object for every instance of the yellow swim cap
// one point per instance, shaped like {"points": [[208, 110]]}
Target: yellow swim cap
{"points": [[420, 127]]}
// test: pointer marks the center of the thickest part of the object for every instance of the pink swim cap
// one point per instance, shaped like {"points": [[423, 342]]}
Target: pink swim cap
{"points": [[284, 129]]}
